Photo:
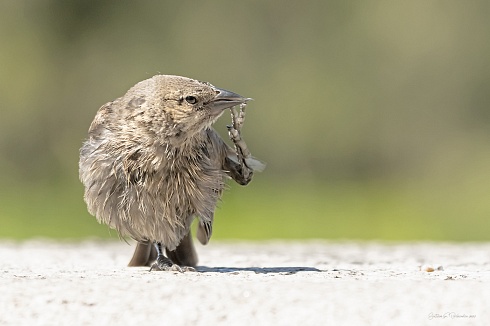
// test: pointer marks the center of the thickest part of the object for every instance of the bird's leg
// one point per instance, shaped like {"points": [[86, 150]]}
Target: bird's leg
{"points": [[162, 263], [165, 264], [241, 148]]}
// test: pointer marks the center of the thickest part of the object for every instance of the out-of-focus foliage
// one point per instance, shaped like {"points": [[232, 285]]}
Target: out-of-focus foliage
{"points": [[373, 116]]}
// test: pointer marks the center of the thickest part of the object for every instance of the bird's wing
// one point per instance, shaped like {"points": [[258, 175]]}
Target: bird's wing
{"points": [[204, 231]]}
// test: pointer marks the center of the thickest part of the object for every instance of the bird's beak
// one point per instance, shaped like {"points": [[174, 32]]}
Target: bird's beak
{"points": [[225, 99]]}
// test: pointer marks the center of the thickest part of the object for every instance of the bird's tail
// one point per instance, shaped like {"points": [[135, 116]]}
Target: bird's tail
{"points": [[144, 254], [185, 254]]}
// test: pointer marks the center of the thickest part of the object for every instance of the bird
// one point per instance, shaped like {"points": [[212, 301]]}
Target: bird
{"points": [[152, 163]]}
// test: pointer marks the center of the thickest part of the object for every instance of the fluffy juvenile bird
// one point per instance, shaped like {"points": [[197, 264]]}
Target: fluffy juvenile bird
{"points": [[152, 163]]}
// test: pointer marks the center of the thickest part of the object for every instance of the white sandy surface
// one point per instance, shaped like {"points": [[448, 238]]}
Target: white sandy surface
{"points": [[272, 283]]}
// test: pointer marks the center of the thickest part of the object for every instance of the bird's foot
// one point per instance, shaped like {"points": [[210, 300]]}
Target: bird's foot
{"points": [[237, 121], [238, 117], [241, 148], [164, 264]]}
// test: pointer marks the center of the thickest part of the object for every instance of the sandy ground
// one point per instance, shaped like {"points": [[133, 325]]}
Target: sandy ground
{"points": [[273, 283]]}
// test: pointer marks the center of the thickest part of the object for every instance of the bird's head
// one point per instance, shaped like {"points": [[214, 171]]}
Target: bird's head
{"points": [[177, 108]]}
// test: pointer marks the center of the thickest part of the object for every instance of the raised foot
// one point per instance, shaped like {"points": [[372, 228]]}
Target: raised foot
{"points": [[242, 151]]}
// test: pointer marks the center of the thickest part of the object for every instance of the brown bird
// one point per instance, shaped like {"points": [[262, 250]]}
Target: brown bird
{"points": [[152, 163]]}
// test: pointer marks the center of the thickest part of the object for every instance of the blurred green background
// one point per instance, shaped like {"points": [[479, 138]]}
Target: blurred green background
{"points": [[373, 116]]}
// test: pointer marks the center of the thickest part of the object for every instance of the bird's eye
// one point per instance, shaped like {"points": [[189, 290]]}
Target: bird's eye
{"points": [[191, 99]]}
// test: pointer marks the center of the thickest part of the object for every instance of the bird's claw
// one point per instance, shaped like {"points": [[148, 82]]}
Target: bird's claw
{"points": [[241, 148], [164, 264], [238, 117]]}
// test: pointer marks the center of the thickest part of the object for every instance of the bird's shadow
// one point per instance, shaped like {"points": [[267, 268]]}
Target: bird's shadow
{"points": [[257, 270]]}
